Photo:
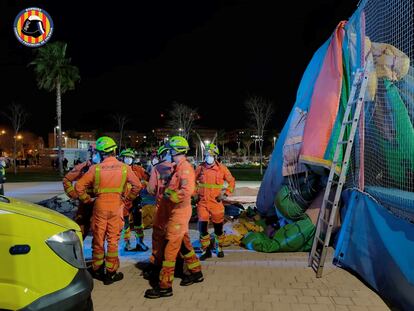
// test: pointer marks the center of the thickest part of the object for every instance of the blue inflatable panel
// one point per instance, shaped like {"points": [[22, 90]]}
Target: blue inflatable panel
{"points": [[379, 247]]}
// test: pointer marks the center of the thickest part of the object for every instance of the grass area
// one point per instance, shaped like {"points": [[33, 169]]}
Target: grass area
{"points": [[32, 175], [247, 174]]}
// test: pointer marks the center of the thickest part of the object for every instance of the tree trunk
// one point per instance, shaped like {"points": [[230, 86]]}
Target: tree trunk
{"points": [[15, 153], [59, 120], [261, 157]]}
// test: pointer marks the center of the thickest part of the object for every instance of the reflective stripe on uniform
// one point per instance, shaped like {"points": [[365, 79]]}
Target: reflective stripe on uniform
{"points": [[210, 186], [170, 264], [70, 189], [193, 265], [98, 263], [109, 190], [112, 254], [98, 256], [190, 254]]}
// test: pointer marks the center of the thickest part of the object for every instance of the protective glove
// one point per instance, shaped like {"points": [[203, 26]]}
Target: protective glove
{"points": [[196, 199], [221, 197]]}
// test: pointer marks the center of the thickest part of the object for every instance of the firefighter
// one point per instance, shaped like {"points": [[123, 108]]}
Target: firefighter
{"points": [[134, 209], [210, 177], [108, 179], [177, 196], [84, 212], [160, 176]]}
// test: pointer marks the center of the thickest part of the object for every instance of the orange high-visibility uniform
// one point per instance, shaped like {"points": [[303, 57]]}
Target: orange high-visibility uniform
{"points": [[160, 176], [84, 212], [180, 188], [109, 180], [137, 227], [210, 184]]}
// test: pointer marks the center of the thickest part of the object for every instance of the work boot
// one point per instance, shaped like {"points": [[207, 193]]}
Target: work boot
{"points": [[154, 293], [141, 247], [111, 277], [196, 277], [97, 274], [218, 249], [205, 254]]}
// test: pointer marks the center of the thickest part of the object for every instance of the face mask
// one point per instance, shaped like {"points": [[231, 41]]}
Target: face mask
{"points": [[96, 158], [209, 160], [154, 161], [128, 160], [168, 157]]}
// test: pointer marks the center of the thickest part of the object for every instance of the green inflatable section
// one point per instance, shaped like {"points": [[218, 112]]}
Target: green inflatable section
{"points": [[287, 205], [294, 237], [399, 152]]}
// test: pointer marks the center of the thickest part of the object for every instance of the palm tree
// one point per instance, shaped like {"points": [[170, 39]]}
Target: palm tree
{"points": [[55, 73]]}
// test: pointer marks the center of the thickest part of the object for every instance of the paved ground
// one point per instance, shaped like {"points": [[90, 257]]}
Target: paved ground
{"points": [[242, 280]]}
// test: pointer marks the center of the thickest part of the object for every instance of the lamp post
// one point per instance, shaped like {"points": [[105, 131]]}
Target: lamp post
{"points": [[274, 141]]}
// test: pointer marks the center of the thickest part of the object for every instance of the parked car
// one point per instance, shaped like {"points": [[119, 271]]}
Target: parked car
{"points": [[41, 264]]}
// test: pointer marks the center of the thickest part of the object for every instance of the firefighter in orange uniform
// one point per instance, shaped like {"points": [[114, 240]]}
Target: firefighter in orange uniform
{"points": [[177, 195], [210, 178], [108, 179], [84, 212], [160, 176], [134, 208]]}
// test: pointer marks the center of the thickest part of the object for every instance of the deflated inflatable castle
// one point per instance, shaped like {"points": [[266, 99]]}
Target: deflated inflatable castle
{"points": [[374, 235]]}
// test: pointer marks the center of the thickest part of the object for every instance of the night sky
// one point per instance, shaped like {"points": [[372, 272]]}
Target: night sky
{"points": [[137, 57]]}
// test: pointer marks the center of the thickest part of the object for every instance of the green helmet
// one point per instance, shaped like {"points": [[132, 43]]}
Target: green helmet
{"points": [[162, 149], [105, 144], [212, 149], [129, 152], [179, 144]]}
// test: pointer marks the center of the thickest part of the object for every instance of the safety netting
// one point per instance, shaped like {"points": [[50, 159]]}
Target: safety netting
{"points": [[383, 157]]}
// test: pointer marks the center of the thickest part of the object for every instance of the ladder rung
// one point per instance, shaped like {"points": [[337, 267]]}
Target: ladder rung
{"points": [[343, 142], [330, 202], [333, 182], [324, 221], [348, 122]]}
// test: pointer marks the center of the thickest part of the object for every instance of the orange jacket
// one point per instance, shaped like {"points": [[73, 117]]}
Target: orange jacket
{"points": [[181, 185], [160, 176], [210, 180], [108, 180], [75, 174], [141, 173]]}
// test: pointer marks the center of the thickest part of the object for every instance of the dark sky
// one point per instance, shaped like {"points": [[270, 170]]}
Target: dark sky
{"points": [[137, 57]]}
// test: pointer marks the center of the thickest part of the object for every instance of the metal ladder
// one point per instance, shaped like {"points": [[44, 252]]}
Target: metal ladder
{"points": [[329, 209]]}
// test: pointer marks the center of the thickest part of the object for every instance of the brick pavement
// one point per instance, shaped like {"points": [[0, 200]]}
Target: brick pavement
{"points": [[244, 280]]}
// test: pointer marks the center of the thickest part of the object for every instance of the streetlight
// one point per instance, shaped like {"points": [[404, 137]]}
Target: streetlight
{"points": [[206, 142], [274, 141]]}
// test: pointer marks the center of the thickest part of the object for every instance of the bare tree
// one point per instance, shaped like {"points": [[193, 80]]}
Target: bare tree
{"points": [[121, 120], [181, 119], [17, 116], [222, 139], [260, 111], [247, 141]]}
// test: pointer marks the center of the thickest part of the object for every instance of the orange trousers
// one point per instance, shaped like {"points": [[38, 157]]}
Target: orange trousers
{"points": [[177, 238], [107, 224]]}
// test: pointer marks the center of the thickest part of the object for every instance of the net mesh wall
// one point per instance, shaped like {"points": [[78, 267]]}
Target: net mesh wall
{"points": [[384, 144]]}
